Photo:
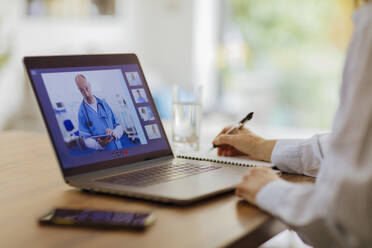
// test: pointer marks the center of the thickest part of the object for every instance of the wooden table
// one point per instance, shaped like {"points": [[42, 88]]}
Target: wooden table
{"points": [[31, 184]]}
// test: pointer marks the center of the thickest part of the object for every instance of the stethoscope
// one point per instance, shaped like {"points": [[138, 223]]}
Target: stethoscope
{"points": [[90, 123]]}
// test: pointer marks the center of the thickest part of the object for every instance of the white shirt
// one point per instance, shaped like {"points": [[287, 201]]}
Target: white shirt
{"points": [[92, 105], [337, 210]]}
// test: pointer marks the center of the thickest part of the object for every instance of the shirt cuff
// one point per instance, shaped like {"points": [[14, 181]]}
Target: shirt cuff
{"points": [[286, 155], [270, 196]]}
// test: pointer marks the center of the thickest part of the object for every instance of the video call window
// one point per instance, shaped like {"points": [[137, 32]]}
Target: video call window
{"points": [[152, 131], [146, 113], [139, 95], [133, 78], [94, 110]]}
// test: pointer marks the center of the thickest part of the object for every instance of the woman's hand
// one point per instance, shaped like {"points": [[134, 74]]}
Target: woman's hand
{"points": [[244, 142], [253, 182]]}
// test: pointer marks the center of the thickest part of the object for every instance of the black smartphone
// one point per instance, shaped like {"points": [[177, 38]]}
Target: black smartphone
{"points": [[98, 218]]}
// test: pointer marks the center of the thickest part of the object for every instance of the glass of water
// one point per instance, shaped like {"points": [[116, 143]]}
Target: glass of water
{"points": [[186, 118]]}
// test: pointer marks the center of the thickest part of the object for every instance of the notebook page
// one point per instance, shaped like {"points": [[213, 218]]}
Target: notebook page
{"points": [[213, 157]]}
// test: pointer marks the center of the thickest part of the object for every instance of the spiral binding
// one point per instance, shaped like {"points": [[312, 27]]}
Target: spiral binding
{"points": [[208, 159]]}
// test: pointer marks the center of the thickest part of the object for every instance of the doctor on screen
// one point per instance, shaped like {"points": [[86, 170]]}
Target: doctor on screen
{"points": [[97, 123]]}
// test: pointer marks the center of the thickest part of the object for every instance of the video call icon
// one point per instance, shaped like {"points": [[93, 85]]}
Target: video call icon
{"points": [[133, 78], [119, 153], [139, 95]]}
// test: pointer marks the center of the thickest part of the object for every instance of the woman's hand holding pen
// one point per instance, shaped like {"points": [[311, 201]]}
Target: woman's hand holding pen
{"points": [[243, 142]]}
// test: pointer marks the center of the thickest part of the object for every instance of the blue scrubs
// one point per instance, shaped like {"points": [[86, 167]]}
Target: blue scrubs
{"points": [[141, 99], [102, 120]]}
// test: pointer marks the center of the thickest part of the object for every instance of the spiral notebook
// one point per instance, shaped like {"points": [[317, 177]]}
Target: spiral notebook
{"points": [[213, 157]]}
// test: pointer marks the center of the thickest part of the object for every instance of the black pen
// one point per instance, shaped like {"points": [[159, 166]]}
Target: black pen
{"points": [[238, 126]]}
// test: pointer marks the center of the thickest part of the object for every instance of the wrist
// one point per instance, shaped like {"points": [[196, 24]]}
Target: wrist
{"points": [[254, 181], [262, 185], [267, 188], [266, 148]]}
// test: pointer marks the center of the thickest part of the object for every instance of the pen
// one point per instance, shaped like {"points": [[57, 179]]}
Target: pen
{"points": [[238, 126]]}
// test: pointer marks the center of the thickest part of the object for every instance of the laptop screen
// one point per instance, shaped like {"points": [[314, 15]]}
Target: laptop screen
{"points": [[99, 113]]}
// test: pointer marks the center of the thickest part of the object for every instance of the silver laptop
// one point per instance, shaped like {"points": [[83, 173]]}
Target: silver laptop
{"points": [[107, 134]]}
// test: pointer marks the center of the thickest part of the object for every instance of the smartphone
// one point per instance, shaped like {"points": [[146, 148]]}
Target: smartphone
{"points": [[98, 218]]}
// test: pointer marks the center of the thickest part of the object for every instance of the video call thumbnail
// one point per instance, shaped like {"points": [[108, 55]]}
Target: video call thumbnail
{"points": [[139, 95], [94, 110], [133, 78], [152, 131], [146, 113]]}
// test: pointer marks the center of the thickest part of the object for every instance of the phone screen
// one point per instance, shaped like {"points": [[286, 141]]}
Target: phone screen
{"points": [[98, 218]]}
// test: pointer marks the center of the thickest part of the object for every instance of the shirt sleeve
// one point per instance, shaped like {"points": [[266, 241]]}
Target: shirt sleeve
{"points": [[299, 207], [118, 131], [336, 210], [300, 156]]}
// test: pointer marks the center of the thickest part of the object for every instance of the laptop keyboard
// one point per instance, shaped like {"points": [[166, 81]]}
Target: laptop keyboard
{"points": [[158, 174]]}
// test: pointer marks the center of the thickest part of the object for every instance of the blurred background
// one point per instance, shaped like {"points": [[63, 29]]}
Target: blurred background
{"points": [[282, 59]]}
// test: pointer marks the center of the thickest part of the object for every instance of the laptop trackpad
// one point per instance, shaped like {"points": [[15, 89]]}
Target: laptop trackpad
{"points": [[202, 184]]}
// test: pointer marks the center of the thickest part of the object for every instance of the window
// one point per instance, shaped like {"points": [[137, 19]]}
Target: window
{"points": [[283, 59], [68, 8]]}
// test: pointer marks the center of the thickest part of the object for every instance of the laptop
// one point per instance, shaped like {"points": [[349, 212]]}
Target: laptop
{"points": [[107, 133]]}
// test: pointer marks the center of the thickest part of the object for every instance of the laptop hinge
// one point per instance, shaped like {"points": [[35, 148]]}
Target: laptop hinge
{"points": [[135, 166]]}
